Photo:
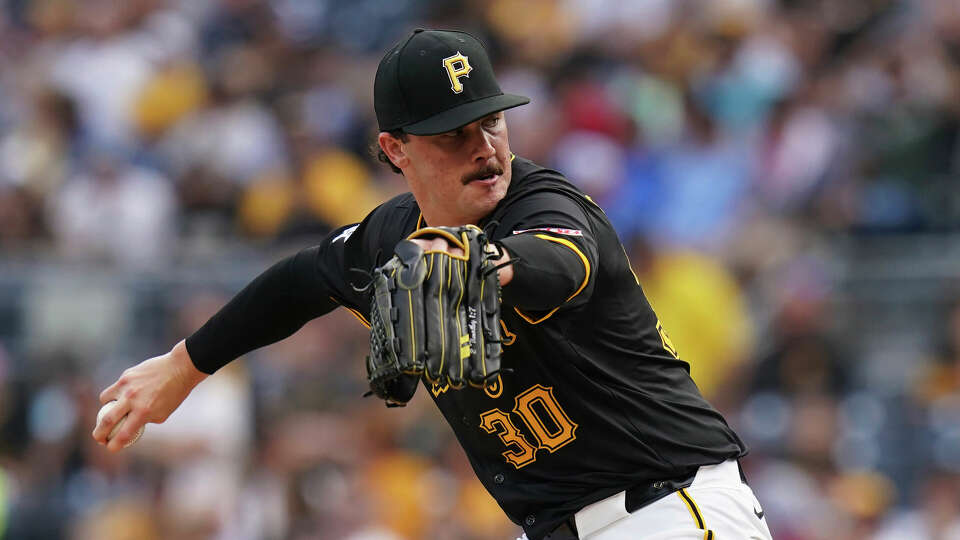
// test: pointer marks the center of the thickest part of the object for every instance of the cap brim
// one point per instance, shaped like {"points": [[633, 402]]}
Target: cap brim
{"points": [[462, 115]]}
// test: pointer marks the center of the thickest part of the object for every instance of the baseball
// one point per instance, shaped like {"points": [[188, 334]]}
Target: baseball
{"points": [[104, 410]]}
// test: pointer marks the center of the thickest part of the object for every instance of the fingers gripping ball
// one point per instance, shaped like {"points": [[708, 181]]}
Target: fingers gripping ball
{"points": [[116, 428], [435, 313]]}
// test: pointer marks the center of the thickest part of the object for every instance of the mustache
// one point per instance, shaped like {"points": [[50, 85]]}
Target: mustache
{"points": [[484, 172]]}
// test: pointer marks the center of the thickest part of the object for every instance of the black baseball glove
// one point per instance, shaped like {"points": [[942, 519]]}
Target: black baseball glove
{"points": [[435, 314]]}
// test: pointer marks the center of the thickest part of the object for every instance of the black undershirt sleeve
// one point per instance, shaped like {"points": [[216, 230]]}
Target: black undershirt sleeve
{"points": [[272, 307], [299, 288]]}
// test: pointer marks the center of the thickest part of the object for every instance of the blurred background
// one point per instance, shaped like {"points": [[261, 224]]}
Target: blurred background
{"points": [[784, 173]]}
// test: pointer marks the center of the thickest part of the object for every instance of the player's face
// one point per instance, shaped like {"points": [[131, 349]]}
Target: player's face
{"points": [[458, 177]]}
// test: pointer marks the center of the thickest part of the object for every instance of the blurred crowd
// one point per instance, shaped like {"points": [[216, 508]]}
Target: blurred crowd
{"points": [[155, 155]]}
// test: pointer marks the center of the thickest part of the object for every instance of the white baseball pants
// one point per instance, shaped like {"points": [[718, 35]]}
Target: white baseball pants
{"points": [[717, 506]]}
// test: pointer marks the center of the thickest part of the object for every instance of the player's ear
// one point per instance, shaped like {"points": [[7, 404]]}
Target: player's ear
{"points": [[394, 148]]}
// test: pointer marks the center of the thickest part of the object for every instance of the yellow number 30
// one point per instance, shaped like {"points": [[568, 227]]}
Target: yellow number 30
{"points": [[552, 429]]}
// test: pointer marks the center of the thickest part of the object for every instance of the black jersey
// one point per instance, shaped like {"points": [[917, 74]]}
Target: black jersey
{"points": [[593, 398]]}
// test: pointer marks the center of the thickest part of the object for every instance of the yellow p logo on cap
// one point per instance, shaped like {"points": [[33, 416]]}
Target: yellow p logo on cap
{"points": [[457, 66]]}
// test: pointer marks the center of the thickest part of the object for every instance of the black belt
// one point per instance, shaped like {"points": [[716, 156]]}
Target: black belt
{"points": [[637, 497]]}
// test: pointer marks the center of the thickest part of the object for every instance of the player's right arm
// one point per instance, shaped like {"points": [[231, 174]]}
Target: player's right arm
{"points": [[149, 392], [270, 308]]}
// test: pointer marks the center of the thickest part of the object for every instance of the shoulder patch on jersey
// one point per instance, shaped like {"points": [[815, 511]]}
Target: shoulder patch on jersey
{"points": [[566, 232], [345, 235]]}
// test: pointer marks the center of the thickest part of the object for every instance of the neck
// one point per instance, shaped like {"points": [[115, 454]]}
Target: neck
{"points": [[439, 218]]}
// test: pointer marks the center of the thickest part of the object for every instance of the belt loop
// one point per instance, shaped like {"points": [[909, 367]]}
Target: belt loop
{"points": [[566, 530]]}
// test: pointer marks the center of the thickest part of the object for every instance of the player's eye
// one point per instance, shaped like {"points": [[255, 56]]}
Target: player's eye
{"points": [[454, 133], [491, 122]]}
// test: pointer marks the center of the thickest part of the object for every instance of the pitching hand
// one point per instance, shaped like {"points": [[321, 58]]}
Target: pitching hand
{"points": [[147, 392]]}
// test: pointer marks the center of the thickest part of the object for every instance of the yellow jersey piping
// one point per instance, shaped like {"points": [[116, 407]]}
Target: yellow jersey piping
{"points": [[586, 277]]}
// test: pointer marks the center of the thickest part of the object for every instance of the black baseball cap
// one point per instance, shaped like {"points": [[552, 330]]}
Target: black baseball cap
{"points": [[435, 81]]}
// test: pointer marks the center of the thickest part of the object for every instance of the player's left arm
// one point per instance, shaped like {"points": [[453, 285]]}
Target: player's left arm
{"points": [[549, 236]]}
